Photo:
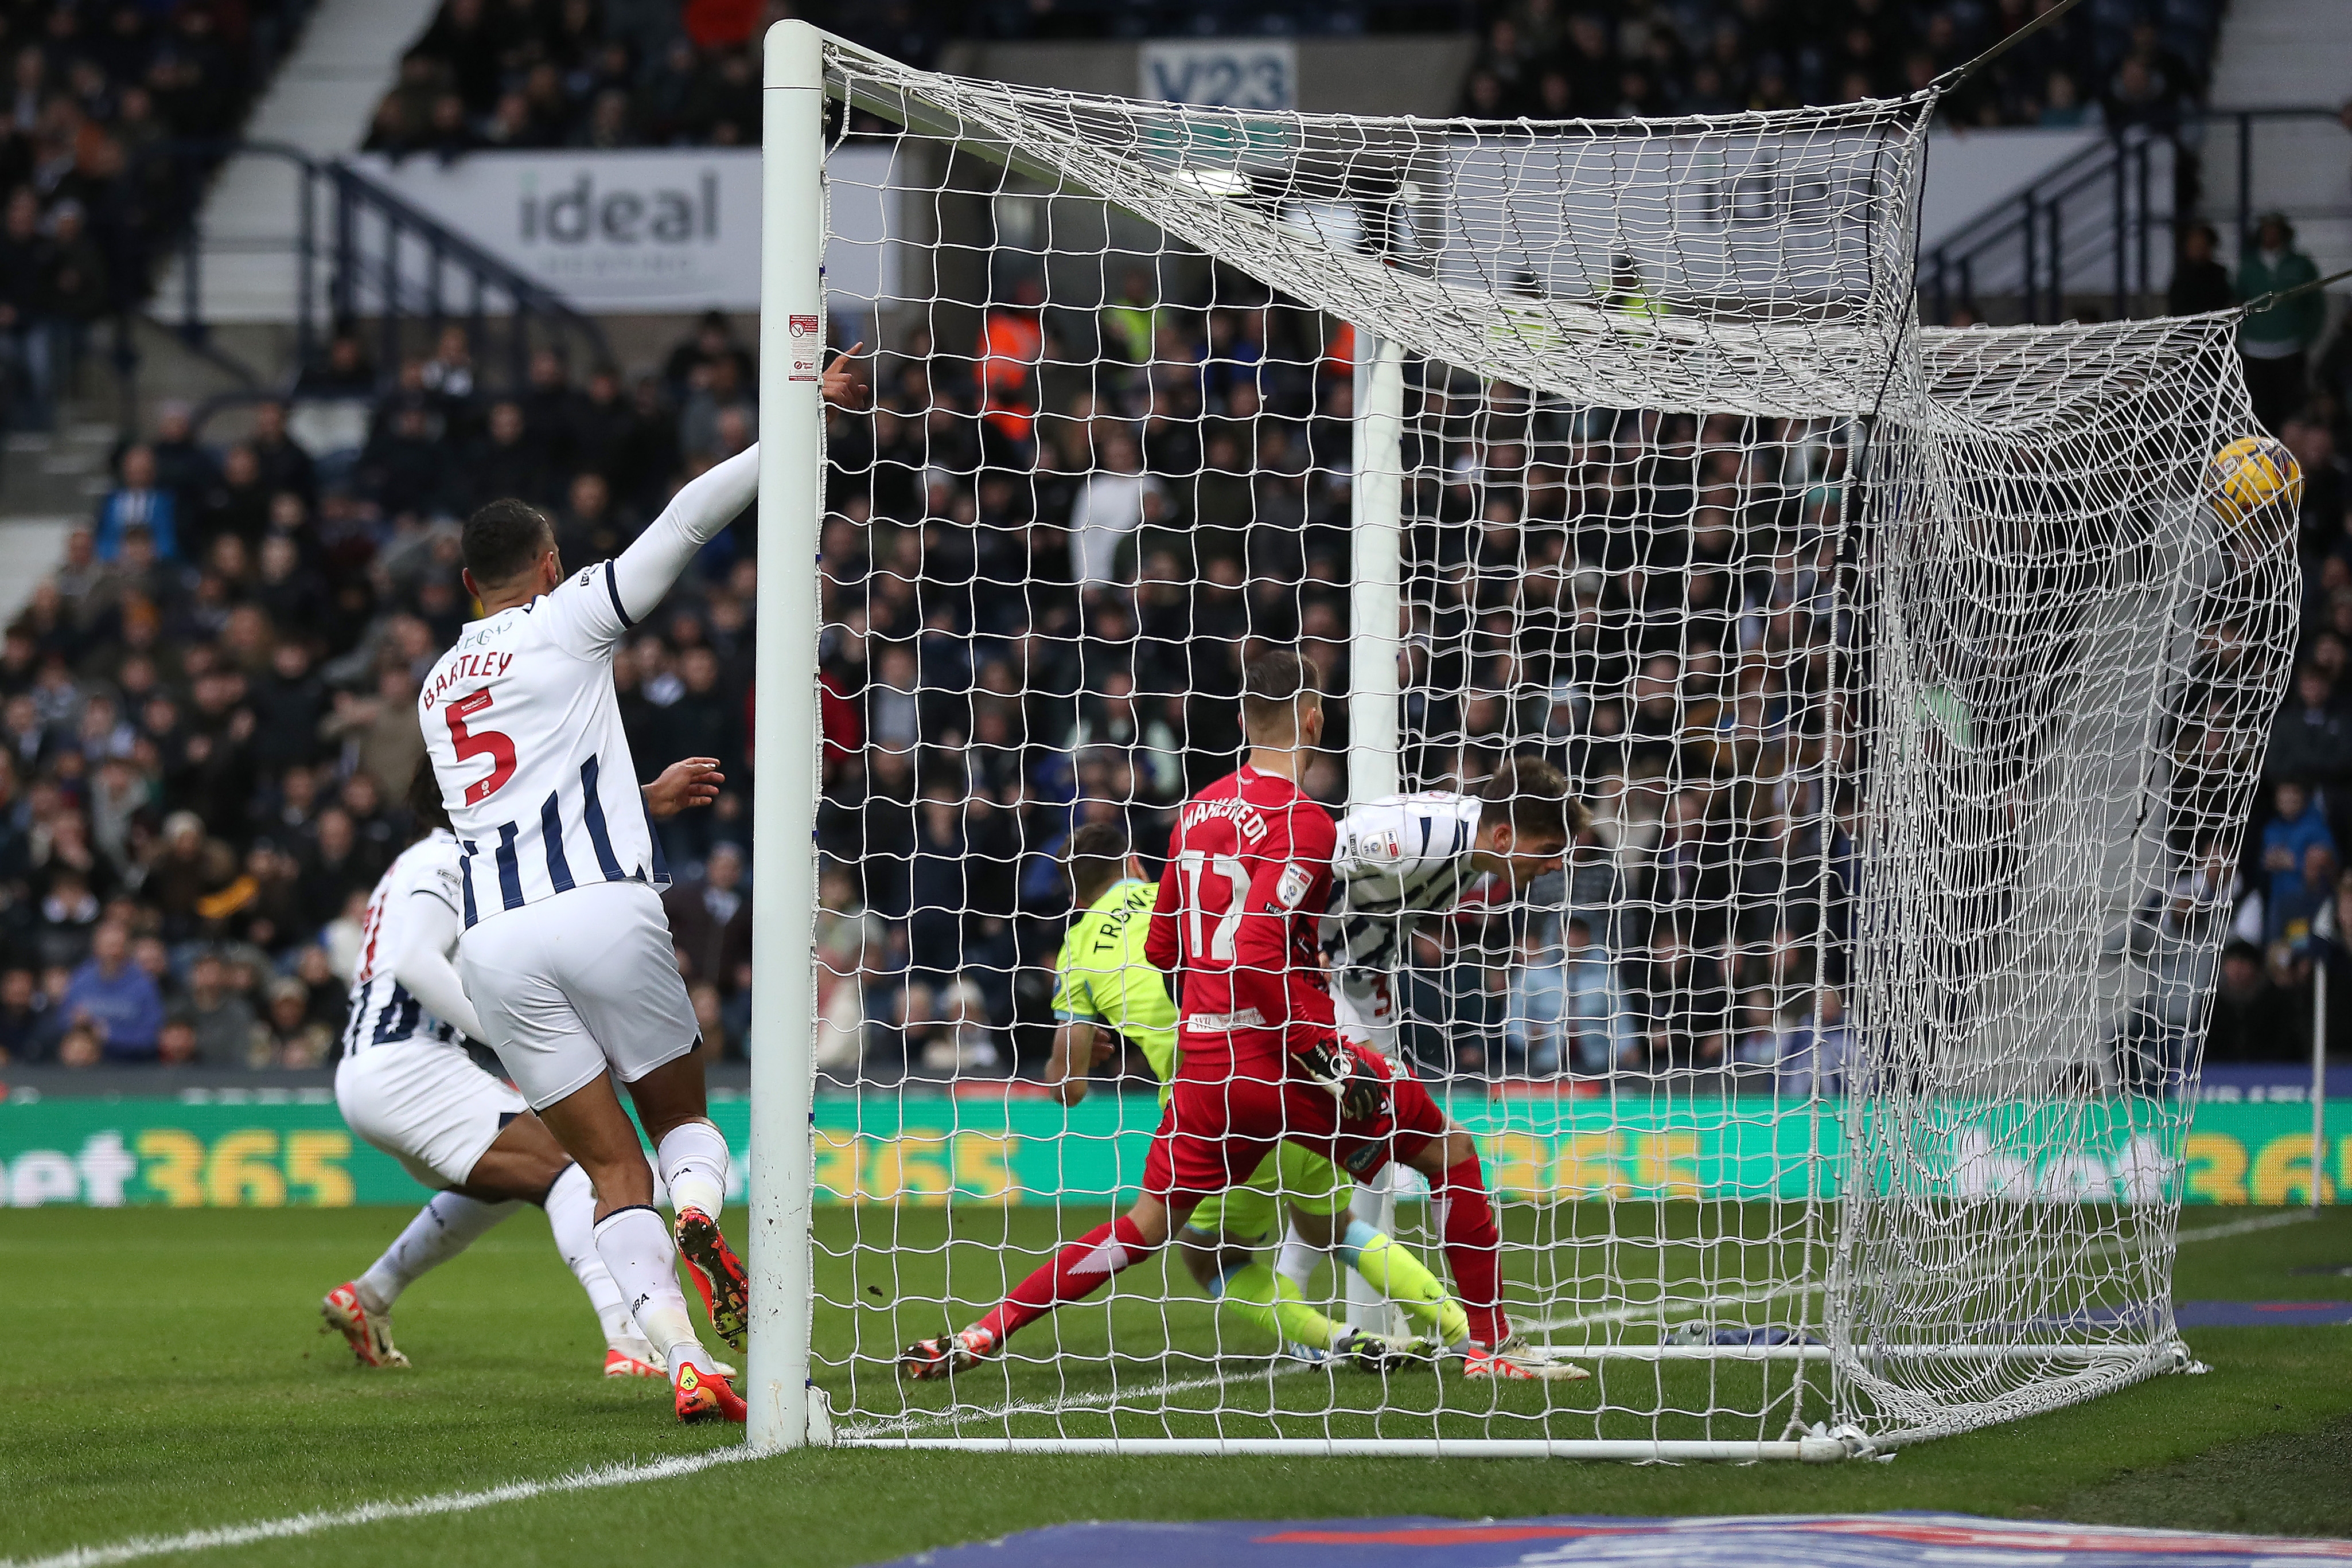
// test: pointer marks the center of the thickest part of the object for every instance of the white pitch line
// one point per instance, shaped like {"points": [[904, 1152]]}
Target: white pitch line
{"points": [[301, 1524]]}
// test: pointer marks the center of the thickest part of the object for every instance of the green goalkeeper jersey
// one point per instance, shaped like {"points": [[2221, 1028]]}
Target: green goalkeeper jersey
{"points": [[1103, 978]]}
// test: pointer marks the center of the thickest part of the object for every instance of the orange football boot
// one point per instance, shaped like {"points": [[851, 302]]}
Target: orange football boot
{"points": [[705, 1397], [369, 1337], [718, 1274]]}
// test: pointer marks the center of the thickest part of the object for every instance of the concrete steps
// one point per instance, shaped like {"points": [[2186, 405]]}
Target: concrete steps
{"points": [[322, 102]]}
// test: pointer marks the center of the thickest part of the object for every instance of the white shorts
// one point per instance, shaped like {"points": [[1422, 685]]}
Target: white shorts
{"points": [[1364, 1005], [427, 1105], [578, 984]]}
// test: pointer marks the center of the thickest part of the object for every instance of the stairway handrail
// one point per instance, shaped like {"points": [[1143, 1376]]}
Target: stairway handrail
{"points": [[361, 190]]}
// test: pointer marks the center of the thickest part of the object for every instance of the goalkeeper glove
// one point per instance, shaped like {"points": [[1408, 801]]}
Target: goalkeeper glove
{"points": [[1331, 1064]]}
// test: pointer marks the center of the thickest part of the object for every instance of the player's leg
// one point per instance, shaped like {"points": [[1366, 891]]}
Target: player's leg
{"points": [[519, 1166], [361, 1309], [1076, 1272], [1473, 1241], [438, 1114], [1211, 1137], [633, 1002], [671, 1103], [523, 973], [1221, 1246], [1322, 1218], [628, 1234], [1419, 1134]]}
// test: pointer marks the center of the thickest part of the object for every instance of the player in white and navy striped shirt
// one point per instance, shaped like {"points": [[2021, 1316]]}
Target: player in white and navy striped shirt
{"points": [[1402, 856], [567, 952], [405, 1085]]}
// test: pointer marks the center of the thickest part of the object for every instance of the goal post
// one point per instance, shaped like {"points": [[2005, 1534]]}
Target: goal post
{"points": [[1836, 1100], [786, 777], [1376, 555]]}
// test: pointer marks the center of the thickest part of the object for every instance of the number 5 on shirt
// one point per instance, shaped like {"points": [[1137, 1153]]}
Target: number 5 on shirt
{"points": [[480, 743]]}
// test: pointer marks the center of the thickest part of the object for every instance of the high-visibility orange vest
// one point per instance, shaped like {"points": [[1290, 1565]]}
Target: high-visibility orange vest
{"points": [[1011, 344]]}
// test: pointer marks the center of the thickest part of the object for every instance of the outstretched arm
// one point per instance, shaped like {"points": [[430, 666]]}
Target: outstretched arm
{"points": [[644, 572], [423, 968]]}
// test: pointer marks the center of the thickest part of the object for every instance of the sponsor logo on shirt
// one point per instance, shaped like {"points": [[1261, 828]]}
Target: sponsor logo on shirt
{"points": [[1296, 880]]}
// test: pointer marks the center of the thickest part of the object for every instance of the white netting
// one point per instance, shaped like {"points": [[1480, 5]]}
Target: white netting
{"points": [[1914, 684]]}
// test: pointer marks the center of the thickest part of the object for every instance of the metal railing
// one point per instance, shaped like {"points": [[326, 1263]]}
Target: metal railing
{"points": [[2025, 247], [2098, 224], [380, 261]]}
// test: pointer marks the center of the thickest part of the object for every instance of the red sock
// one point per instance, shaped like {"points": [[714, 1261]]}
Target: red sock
{"points": [[1465, 1221], [1077, 1272]]}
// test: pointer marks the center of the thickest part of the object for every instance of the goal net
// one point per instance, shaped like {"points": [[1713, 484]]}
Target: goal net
{"points": [[1833, 1092]]}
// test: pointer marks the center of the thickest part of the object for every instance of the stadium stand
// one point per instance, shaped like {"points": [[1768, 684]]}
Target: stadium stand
{"points": [[93, 92], [207, 715], [567, 77], [2118, 64]]}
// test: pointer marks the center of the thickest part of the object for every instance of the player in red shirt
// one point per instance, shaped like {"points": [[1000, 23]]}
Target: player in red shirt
{"points": [[1258, 1056]]}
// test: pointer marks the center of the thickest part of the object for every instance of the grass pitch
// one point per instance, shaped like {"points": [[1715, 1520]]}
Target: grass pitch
{"points": [[159, 1373]]}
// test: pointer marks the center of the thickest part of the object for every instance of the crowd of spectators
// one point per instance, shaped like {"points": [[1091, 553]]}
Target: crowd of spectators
{"points": [[604, 74], [89, 196], [1050, 554], [2113, 62], [207, 715], [2292, 905], [1054, 534]]}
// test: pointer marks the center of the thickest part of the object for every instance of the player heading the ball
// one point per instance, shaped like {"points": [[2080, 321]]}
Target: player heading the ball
{"points": [[1259, 1061], [566, 951]]}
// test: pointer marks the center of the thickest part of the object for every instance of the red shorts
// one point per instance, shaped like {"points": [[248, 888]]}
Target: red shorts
{"points": [[1215, 1134]]}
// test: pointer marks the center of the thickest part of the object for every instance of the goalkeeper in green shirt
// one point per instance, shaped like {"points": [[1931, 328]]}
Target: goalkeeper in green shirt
{"points": [[1104, 983]]}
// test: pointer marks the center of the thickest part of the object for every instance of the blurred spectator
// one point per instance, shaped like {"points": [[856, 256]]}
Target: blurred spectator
{"points": [[2253, 1019], [710, 922], [1112, 505], [2309, 739], [289, 1036], [139, 502], [23, 1013], [2298, 827], [2273, 344], [115, 998], [2200, 282], [222, 1021], [1567, 1011]]}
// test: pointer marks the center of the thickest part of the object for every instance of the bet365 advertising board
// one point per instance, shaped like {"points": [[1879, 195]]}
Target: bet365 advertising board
{"points": [[921, 1150]]}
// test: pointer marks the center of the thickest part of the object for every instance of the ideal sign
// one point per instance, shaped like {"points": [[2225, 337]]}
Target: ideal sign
{"points": [[657, 232]]}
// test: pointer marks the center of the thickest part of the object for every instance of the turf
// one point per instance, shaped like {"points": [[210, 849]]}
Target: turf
{"points": [[159, 1373]]}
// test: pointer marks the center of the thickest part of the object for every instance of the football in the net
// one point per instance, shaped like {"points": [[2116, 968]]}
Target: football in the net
{"points": [[2251, 475]]}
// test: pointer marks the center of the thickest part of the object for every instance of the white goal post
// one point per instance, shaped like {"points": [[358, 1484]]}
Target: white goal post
{"points": [[1835, 1093]]}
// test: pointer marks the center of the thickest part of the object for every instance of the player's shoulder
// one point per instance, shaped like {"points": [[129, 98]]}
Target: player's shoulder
{"points": [[432, 864]]}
